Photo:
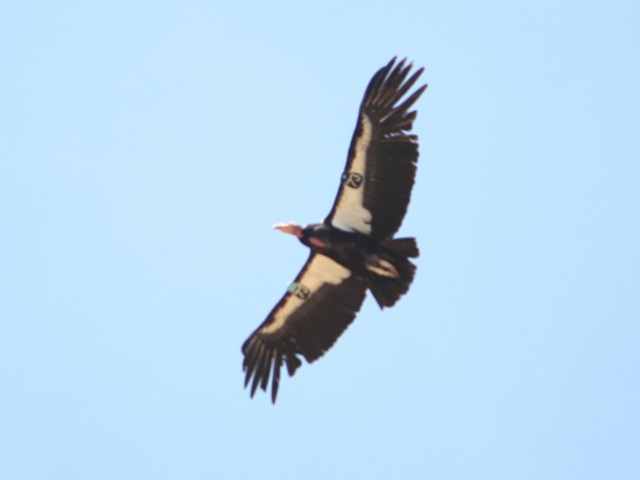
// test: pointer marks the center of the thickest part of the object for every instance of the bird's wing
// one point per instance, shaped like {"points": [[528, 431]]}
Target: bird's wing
{"points": [[376, 183], [317, 307]]}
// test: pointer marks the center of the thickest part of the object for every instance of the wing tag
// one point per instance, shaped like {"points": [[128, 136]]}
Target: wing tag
{"points": [[299, 290], [352, 179]]}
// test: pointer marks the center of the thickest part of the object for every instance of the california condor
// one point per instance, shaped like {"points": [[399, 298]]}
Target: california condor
{"points": [[353, 249]]}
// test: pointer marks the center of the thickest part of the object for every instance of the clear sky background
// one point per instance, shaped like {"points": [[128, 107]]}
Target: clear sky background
{"points": [[146, 150]]}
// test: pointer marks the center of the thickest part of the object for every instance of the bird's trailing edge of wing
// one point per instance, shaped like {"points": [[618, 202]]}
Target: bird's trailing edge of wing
{"points": [[317, 307], [376, 184]]}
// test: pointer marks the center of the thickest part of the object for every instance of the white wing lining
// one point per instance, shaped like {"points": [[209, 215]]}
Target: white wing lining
{"points": [[321, 270], [350, 214]]}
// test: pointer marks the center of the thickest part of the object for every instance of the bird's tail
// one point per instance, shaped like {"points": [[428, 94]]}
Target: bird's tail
{"points": [[389, 278]]}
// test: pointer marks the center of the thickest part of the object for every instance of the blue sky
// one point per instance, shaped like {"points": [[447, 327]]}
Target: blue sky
{"points": [[148, 147]]}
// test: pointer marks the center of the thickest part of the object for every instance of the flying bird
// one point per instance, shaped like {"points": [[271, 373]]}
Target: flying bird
{"points": [[353, 249]]}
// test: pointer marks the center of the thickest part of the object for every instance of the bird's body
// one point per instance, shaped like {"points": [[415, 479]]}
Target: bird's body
{"points": [[353, 249], [365, 257]]}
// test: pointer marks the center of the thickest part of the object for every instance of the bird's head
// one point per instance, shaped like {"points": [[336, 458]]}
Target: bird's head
{"points": [[290, 227]]}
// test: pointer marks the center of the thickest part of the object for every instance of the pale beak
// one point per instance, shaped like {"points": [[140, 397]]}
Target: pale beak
{"points": [[290, 228]]}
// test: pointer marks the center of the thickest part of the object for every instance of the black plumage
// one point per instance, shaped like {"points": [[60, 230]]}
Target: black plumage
{"points": [[353, 249]]}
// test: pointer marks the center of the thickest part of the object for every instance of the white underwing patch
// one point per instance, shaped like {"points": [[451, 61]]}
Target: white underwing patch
{"points": [[320, 271], [350, 214]]}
